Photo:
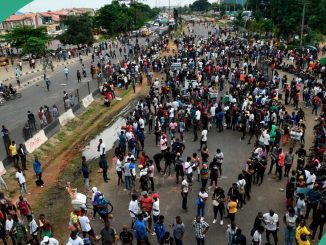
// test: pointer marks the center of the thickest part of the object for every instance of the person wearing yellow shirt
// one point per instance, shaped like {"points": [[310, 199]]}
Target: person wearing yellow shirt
{"points": [[301, 232], [13, 152], [232, 208]]}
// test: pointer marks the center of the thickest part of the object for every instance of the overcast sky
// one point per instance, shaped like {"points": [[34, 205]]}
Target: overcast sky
{"points": [[44, 5]]}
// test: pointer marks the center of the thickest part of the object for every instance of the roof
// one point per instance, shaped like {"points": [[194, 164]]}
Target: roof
{"points": [[20, 17]]}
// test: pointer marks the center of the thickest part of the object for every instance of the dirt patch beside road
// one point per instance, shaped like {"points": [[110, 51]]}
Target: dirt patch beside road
{"points": [[60, 159]]}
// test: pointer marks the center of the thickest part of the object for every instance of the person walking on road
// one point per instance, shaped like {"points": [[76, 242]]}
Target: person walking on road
{"points": [[201, 228], [6, 138], [66, 72]]}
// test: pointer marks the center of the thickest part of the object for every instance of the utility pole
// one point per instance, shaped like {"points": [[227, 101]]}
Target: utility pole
{"points": [[302, 23]]}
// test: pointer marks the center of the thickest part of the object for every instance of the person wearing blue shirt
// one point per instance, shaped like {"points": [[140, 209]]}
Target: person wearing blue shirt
{"points": [[38, 172], [140, 231], [160, 229]]}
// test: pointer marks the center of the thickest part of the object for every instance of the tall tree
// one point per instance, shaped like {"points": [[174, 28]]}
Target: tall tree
{"points": [[79, 31], [200, 5], [30, 40]]}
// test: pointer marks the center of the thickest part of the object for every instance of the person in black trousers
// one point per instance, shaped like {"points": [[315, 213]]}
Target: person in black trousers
{"points": [[104, 165]]}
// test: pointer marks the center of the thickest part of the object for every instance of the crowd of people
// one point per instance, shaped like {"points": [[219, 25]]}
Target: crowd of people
{"points": [[211, 83]]}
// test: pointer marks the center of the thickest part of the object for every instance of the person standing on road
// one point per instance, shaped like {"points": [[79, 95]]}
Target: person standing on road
{"points": [[6, 138], [31, 120], [184, 193], [290, 220], [126, 237], [201, 201], [134, 209], [47, 83], [86, 171], [66, 72], [218, 204], [179, 163], [78, 76], [201, 228], [108, 234], [13, 153], [289, 157], [104, 166], [271, 225], [280, 163], [101, 148], [178, 230], [140, 232]]}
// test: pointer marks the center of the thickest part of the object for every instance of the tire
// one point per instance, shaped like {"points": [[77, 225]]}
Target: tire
{"points": [[18, 95]]}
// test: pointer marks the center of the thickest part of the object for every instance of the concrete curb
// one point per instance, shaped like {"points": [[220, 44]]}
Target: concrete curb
{"points": [[39, 69]]}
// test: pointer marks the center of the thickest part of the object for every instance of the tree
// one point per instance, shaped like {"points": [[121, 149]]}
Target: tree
{"points": [[200, 5], [80, 30], [118, 17], [31, 40]]}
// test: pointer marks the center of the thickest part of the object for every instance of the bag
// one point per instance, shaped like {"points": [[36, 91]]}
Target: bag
{"points": [[215, 203]]}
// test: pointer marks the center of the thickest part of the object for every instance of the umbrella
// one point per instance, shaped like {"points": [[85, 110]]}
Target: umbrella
{"points": [[323, 61]]}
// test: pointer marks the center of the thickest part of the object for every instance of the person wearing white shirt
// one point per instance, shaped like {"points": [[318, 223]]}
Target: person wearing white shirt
{"points": [[311, 180], [134, 209], [85, 225], [33, 228], [101, 147], [256, 238], [203, 140], [188, 169], [10, 229], [141, 123], [198, 114], [74, 239], [49, 241], [21, 181], [271, 225]]}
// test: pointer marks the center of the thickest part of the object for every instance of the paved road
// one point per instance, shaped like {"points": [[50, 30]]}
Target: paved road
{"points": [[14, 113], [236, 152]]}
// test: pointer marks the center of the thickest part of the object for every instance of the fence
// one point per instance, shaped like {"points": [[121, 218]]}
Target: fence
{"points": [[77, 100]]}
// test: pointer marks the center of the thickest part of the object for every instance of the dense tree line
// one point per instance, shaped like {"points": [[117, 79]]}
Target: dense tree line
{"points": [[286, 15], [118, 17]]}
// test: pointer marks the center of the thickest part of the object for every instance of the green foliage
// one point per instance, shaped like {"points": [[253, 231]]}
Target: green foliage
{"points": [[30, 40], [286, 15], [80, 30], [200, 5], [118, 17]]}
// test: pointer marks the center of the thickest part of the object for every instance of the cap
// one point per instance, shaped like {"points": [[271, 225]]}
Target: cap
{"points": [[144, 193], [94, 189], [155, 195], [46, 239]]}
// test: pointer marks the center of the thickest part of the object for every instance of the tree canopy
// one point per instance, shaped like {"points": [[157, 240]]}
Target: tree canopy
{"points": [[118, 17], [286, 15], [79, 30], [200, 5], [30, 40]]}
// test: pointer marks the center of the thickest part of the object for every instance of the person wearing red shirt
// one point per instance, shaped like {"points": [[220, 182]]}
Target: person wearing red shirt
{"points": [[280, 163], [146, 204]]}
